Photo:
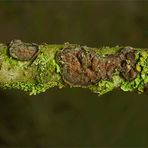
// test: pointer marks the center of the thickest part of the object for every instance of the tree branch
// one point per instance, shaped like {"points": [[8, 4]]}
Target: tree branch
{"points": [[35, 68]]}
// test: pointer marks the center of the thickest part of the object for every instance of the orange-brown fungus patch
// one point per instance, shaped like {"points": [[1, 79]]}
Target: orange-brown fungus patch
{"points": [[84, 67], [22, 51]]}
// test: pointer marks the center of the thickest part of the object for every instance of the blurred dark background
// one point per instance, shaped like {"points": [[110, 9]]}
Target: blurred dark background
{"points": [[74, 117]]}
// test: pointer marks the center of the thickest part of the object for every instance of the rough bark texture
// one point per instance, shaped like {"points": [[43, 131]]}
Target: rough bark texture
{"points": [[35, 68]]}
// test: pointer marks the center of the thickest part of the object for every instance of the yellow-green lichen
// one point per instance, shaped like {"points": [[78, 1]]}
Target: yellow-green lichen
{"points": [[104, 86], [46, 73], [104, 51], [31, 76], [142, 68]]}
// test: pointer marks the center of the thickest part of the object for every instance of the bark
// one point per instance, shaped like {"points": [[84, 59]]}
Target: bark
{"points": [[35, 68]]}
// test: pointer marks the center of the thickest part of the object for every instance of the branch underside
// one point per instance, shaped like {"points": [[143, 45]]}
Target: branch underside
{"points": [[35, 68]]}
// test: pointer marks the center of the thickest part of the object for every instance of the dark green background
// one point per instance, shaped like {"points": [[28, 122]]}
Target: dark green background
{"points": [[74, 117]]}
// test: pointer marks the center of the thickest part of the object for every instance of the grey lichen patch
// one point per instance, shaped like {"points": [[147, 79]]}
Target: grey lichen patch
{"points": [[22, 51], [82, 66]]}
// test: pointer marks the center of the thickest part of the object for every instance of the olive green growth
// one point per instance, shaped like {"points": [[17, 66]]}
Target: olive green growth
{"points": [[42, 71]]}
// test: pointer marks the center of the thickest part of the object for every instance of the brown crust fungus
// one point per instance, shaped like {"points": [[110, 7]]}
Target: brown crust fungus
{"points": [[82, 67], [22, 51]]}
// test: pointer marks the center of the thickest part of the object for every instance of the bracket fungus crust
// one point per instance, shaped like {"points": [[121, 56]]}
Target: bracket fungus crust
{"points": [[83, 67], [22, 51]]}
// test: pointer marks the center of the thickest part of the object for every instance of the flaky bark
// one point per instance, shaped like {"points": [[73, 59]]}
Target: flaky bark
{"points": [[35, 68]]}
